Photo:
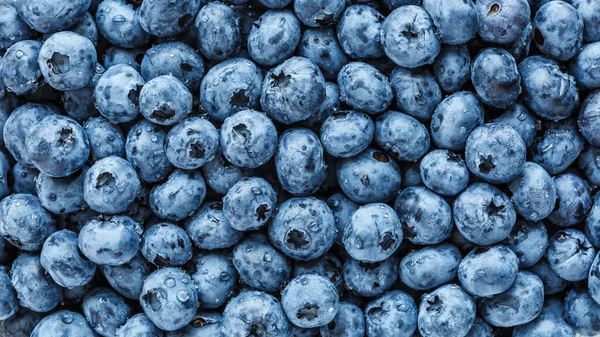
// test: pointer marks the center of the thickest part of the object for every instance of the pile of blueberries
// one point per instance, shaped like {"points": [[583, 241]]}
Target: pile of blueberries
{"points": [[299, 168]]}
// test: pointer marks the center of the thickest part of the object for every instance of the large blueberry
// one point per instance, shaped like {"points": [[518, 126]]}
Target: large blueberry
{"points": [[456, 21], [105, 139], [310, 301], [558, 30], [63, 323], [533, 192], [488, 271], [444, 172], [364, 88], [209, 228], [166, 18], [47, 16], [454, 119], [430, 267], [249, 204], [519, 118], [145, 151], [35, 288], [558, 146], [185, 64], [495, 77], [528, 240], [164, 100], [20, 71], [452, 67], [179, 196], [127, 279], [254, 312], [117, 93], [165, 244], [274, 37], [322, 48], [369, 279], [215, 279], [573, 200], [218, 30], [570, 254], [502, 21], [394, 306], [24, 222], [105, 311], [118, 21], [358, 32], [62, 259], [111, 240], [416, 91], [446, 311], [191, 143]]}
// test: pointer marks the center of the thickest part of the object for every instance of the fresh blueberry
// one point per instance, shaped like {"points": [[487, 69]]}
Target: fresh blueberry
{"points": [[373, 233], [256, 313], [495, 77], [364, 88], [587, 163], [342, 208], [369, 279], [359, 32], [165, 244], [248, 139], [117, 93], [456, 21], [401, 135], [293, 91], [446, 311], [146, 152], [24, 222], [528, 240], [209, 228], [310, 301], [80, 104], [185, 64], [215, 279], [48, 16], [61, 258], [347, 133], [35, 288], [21, 324], [483, 214], [9, 302], [545, 325], [320, 13], [349, 322], [112, 240], [119, 23], [570, 254], [138, 326], [454, 119], [322, 48], [581, 312], [430, 267], [106, 311], [218, 30], [303, 228], [587, 125], [249, 204], [383, 314], [222, 175], [231, 86], [574, 200], [488, 270], [164, 18], [15, 29], [533, 192], [425, 216], [502, 21], [558, 30], [164, 100], [63, 323], [105, 139], [179, 196], [20, 71], [553, 284], [452, 67], [588, 12], [519, 118], [127, 279], [67, 61], [328, 265], [520, 304], [110, 185], [409, 37], [204, 324], [444, 172], [131, 57], [169, 298], [274, 37], [191, 143], [558, 147], [416, 91], [547, 90], [584, 66]]}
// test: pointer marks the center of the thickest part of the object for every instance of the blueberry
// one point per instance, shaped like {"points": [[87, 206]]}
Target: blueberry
{"points": [[322, 48], [169, 298], [364, 88], [528, 240], [587, 125], [581, 312], [119, 23], [409, 38], [112, 240], [452, 67], [502, 21], [425, 216], [394, 306], [454, 119], [299, 162], [574, 200], [584, 68], [558, 30], [446, 311], [588, 164], [9, 302], [321, 13], [416, 91], [274, 37], [358, 32], [67, 61], [401, 135], [15, 29], [254, 312], [347, 133], [456, 21], [138, 326], [588, 12], [49, 16], [105, 311], [544, 325], [105, 139], [24, 222], [484, 214], [20, 71], [209, 228], [357, 180], [373, 233], [80, 104], [222, 175], [127, 279], [231, 86], [519, 48], [488, 271], [165, 244], [21, 324], [191, 143], [61, 258], [163, 18], [249, 203], [132, 57], [310, 301], [185, 64], [218, 30], [520, 304], [349, 322], [35, 288], [547, 90], [215, 279], [495, 153], [63, 323], [430, 267], [204, 324], [570, 254], [303, 228], [533, 192], [248, 139], [110, 185], [164, 100], [553, 284], [293, 91], [117, 93], [179, 196], [495, 77], [558, 147], [444, 172], [342, 208], [328, 265], [519, 118], [369, 279], [145, 151]]}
